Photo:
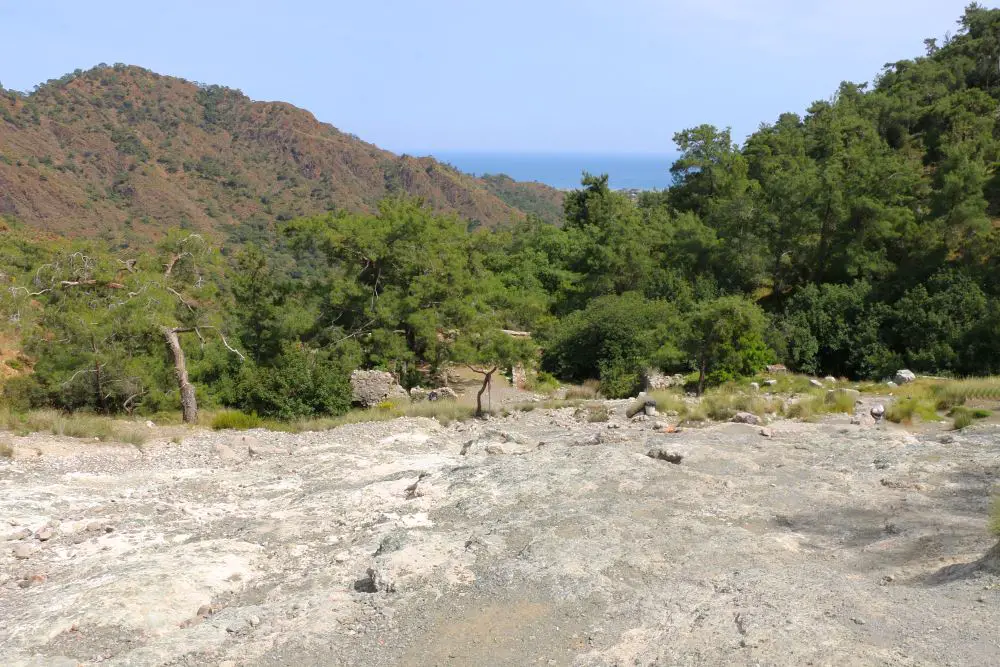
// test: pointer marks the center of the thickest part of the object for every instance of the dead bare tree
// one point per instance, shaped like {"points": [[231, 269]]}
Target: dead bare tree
{"points": [[487, 378]]}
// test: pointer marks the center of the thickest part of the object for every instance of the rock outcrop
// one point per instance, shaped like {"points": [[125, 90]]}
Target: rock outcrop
{"points": [[369, 388]]}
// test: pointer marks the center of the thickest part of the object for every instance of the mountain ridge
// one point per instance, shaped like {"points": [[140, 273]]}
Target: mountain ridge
{"points": [[123, 152]]}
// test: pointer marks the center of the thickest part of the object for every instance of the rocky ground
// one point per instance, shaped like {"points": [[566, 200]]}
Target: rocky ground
{"points": [[536, 539]]}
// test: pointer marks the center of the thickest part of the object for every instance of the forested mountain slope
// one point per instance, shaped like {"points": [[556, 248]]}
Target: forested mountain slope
{"points": [[855, 239], [127, 153]]}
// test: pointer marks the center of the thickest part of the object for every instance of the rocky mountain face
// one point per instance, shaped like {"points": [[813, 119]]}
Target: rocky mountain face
{"points": [[126, 153]]}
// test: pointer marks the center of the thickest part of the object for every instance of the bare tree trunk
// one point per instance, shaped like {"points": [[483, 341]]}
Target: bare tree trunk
{"points": [[97, 378], [487, 376], [701, 374], [189, 403]]}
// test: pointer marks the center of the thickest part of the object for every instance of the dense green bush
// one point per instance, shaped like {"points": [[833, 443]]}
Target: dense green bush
{"points": [[300, 383], [613, 338]]}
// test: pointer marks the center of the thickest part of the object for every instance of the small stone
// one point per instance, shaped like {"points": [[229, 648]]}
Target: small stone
{"points": [[650, 410], [204, 611], [150, 424], [19, 534], [495, 449], [45, 534], [816, 383], [767, 433], [23, 551], [830, 379], [234, 628], [30, 580], [254, 621], [93, 526], [770, 382], [754, 387], [858, 621], [660, 454], [342, 557]]}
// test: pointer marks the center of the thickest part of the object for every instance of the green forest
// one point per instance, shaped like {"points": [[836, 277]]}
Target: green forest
{"points": [[855, 239]]}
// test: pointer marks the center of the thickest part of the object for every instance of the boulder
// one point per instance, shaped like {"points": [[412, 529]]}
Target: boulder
{"points": [[770, 382], [660, 454], [746, 418], [442, 394], [754, 387], [418, 394], [816, 383], [830, 379], [369, 388], [834, 394], [777, 368], [23, 551], [654, 380], [904, 376]]}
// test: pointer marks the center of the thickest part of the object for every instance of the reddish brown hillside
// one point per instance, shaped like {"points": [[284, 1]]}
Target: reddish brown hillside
{"points": [[124, 152]]}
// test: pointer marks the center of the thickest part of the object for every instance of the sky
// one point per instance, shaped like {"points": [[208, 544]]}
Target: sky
{"points": [[536, 76]]}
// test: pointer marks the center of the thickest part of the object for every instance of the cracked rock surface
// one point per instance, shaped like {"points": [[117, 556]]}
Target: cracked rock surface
{"points": [[550, 541]]}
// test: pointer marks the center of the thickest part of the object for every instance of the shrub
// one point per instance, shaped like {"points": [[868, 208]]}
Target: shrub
{"points": [[234, 419], [904, 409], [544, 383], [807, 408], [613, 337], [23, 393], [962, 419], [839, 402], [587, 391], [619, 378], [597, 413], [723, 405], [964, 416], [301, 383], [668, 402]]}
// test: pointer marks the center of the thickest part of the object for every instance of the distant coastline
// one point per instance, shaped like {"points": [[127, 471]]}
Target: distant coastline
{"points": [[564, 170]]}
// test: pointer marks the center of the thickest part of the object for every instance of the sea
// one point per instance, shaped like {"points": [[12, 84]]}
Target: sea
{"points": [[564, 170]]}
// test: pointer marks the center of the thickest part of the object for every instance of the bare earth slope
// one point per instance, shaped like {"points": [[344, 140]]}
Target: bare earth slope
{"points": [[551, 541], [128, 153]]}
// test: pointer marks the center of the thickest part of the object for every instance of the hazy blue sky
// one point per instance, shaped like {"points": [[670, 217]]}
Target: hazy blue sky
{"points": [[513, 75]]}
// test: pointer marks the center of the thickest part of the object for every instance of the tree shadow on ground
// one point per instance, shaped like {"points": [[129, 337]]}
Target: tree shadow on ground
{"points": [[988, 564]]}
